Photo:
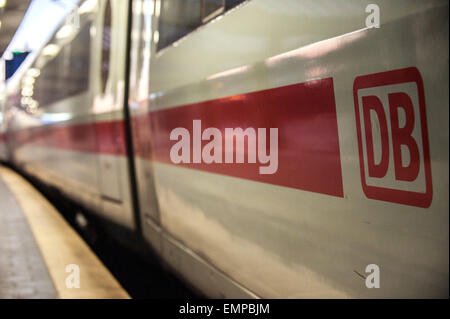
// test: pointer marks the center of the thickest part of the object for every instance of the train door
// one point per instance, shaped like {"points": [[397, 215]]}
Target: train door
{"points": [[108, 85], [105, 103], [140, 51]]}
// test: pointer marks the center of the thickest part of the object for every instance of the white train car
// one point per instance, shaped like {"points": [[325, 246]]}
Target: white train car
{"points": [[274, 149], [76, 81], [3, 150]]}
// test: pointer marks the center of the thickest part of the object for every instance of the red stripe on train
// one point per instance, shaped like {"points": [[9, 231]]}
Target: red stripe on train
{"points": [[305, 115], [100, 137]]}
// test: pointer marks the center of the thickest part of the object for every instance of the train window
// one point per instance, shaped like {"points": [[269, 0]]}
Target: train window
{"points": [[67, 74], [211, 9], [180, 17], [106, 45]]}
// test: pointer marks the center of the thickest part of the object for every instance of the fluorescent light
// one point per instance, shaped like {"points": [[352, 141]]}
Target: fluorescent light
{"points": [[51, 49], [158, 8], [28, 80], [2, 3], [88, 6], [26, 100], [65, 31], [33, 72], [27, 92], [148, 7]]}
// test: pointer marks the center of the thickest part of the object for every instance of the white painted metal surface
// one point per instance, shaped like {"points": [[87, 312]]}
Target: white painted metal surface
{"points": [[254, 238]]}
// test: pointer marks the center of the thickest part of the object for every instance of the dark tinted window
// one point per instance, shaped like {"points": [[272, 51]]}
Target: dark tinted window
{"points": [[179, 17], [211, 9], [67, 73], [106, 45]]}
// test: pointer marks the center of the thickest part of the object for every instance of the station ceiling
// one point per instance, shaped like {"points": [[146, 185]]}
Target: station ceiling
{"points": [[11, 14]]}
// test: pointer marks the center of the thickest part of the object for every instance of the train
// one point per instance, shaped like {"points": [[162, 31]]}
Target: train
{"points": [[261, 148]]}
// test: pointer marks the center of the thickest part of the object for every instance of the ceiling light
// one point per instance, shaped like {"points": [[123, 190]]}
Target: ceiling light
{"points": [[87, 6], [51, 50], [33, 72], [65, 31]]}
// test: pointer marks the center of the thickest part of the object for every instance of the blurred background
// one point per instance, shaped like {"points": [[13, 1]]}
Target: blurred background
{"points": [[25, 27]]}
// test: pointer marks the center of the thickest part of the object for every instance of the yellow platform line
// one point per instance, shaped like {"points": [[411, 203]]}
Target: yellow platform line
{"points": [[60, 245]]}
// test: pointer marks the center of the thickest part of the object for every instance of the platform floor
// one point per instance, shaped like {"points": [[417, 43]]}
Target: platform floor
{"points": [[37, 246]]}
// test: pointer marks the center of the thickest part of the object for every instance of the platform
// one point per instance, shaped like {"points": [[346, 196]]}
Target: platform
{"points": [[37, 247]]}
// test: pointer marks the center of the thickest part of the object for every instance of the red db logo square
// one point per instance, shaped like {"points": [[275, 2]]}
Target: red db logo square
{"points": [[393, 137]]}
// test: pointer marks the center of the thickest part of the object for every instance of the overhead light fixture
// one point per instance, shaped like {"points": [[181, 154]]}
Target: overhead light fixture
{"points": [[33, 72], [28, 80], [27, 92], [87, 6], [51, 49], [65, 32], [158, 8], [148, 7], [26, 100], [2, 3]]}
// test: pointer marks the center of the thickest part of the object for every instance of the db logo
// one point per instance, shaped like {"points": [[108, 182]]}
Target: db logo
{"points": [[393, 138]]}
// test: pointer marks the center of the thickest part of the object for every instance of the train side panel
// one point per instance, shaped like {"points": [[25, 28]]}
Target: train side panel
{"points": [[362, 118], [67, 126], [313, 228], [3, 147]]}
